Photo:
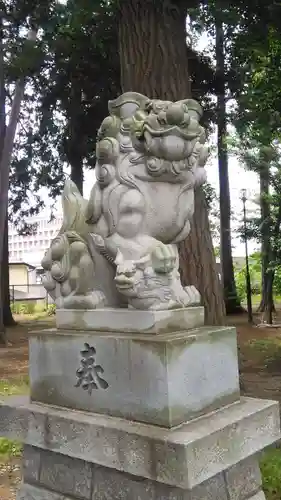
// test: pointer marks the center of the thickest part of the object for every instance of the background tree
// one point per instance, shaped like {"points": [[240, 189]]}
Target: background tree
{"points": [[219, 20], [17, 61], [7, 135], [266, 228], [154, 61], [256, 49]]}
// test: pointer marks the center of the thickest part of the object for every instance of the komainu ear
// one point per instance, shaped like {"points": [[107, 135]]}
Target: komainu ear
{"points": [[119, 258]]}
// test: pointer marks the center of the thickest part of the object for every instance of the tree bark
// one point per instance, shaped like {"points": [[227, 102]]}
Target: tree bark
{"points": [[268, 309], [231, 300], [266, 250], [268, 298], [7, 313], [3, 338], [152, 47], [7, 141], [74, 149], [198, 265]]}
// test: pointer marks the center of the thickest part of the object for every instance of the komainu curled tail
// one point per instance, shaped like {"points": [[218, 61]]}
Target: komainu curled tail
{"points": [[69, 266]]}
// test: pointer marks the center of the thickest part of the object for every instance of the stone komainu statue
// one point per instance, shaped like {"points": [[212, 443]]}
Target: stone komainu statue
{"points": [[119, 249]]}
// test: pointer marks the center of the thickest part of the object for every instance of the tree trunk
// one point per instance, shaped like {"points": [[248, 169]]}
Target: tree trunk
{"points": [[269, 306], [197, 263], [266, 250], [3, 339], [76, 174], [268, 298], [231, 300], [152, 47], [7, 313], [7, 142], [74, 151]]}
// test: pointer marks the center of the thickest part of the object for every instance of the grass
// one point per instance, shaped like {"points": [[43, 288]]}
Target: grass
{"points": [[12, 449], [33, 317], [257, 298], [271, 474], [14, 387], [269, 351]]}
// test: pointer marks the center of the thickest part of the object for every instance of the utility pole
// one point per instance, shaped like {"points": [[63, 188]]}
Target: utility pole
{"points": [[248, 277]]}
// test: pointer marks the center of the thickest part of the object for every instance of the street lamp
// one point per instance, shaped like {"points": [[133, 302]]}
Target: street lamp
{"points": [[248, 277]]}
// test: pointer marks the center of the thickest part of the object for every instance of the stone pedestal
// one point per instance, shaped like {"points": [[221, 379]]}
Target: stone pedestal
{"points": [[70, 455], [164, 380], [151, 413]]}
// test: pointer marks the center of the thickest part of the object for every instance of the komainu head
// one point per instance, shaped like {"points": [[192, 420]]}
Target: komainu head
{"points": [[164, 135]]}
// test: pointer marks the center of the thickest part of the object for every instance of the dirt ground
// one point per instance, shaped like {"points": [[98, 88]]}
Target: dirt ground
{"points": [[260, 372], [13, 366]]}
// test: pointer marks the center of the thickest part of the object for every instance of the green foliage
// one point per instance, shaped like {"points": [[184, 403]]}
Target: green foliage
{"points": [[76, 70], [14, 387], [257, 49], [70, 79], [51, 311], [28, 307], [265, 160], [277, 280], [255, 274], [271, 473], [9, 449], [33, 308], [255, 268]]}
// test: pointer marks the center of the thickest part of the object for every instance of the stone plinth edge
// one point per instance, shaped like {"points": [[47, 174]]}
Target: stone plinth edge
{"points": [[129, 320], [184, 457]]}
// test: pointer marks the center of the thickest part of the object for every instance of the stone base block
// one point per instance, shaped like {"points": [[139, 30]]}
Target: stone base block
{"points": [[163, 379], [95, 454], [51, 476], [130, 320]]}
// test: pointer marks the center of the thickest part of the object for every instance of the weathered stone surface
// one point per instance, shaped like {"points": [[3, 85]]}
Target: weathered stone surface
{"points": [[184, 457], [183, 375], [130, 320], [22, 424], [243, 479], [139, 209], [14, 420], [259, 496], [212, 489], [113, 485], [66, 475], [31, 463], [30, 492]]}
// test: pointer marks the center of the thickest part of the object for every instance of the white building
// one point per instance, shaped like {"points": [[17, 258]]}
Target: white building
{"points": [[31, 248]]}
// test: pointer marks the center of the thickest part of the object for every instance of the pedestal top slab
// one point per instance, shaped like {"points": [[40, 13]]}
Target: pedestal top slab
{"points": [[130, 320], [185, 456]]}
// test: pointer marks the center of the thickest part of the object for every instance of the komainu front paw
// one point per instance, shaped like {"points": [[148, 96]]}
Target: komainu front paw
{"points": [[164, 258]]}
